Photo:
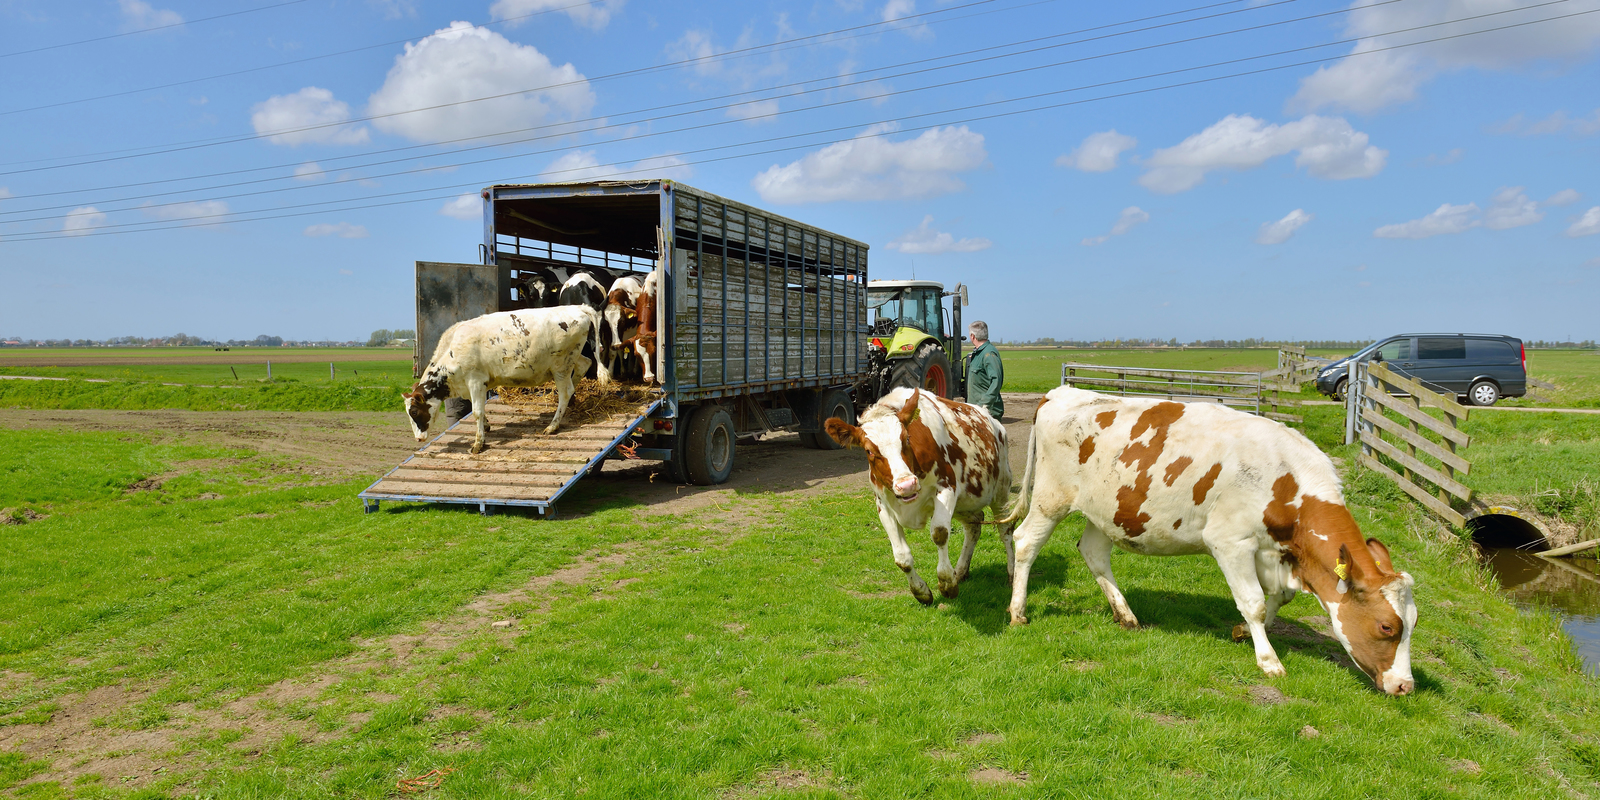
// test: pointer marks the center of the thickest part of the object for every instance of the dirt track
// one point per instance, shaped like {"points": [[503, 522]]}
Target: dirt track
{"points": [[344, 445]]}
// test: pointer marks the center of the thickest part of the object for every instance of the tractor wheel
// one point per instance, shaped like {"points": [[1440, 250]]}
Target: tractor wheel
{"points": [[928, 369]]}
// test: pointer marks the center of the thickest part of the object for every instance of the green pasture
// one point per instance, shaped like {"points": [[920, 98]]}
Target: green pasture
{"points": [[47, 354], [274, 396], [763, 646], [395, 373]]}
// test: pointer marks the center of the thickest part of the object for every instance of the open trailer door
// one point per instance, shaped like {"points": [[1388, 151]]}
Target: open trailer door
{"points": [[447, 294]]}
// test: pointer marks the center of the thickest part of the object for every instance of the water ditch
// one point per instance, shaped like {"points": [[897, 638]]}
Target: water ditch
{"points": [[1568, 587]]}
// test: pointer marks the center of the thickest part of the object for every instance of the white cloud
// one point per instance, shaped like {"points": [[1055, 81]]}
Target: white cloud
{"points": [[755, 111], [309, 171], [594, 15], [1556, 123], [1366, 83], [1565, 197], [583, 165], [696, 45], [468, 206], [1280, 231], [343, 230], [871, 167], [1511, 208], [395, 9], [4, 192], [1593, 262], [306, 108], [924, 240], [1436, 160], [206, 209], [462, 63], [1444, 219], [80, 221], [1131, 217], [899, 9], [1587, 225], [1099, 152], [138, 15], [1327, 147]]}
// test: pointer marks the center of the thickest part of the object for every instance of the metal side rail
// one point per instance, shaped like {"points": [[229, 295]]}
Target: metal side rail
{"points": [[521, 465]]}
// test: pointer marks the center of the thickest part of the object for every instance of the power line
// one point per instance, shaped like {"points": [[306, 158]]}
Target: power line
{"points": [[148, 30], [569, 126], [212, 142], [149, 226], [505, 21]]}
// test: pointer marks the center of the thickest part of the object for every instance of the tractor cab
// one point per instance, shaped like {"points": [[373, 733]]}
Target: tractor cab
{"points": [[916, 338]]}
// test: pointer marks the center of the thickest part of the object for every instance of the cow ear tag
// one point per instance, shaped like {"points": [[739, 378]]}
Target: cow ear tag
{"points": [[1343, 571]]}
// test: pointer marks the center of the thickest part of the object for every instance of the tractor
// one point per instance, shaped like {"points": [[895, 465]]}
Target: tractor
{"points": [[916, 340]]}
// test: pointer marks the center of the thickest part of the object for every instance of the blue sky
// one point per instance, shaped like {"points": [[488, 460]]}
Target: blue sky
{"points": [[1397, 184]]}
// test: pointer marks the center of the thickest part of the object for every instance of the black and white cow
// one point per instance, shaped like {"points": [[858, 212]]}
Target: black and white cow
{"points": [[583, 289], [539, 287], [510, 348]]}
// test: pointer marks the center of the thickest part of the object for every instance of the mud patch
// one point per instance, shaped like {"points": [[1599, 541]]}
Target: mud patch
{"points": [[994, 776], [1267, 695], [20, 516], [777, 779]]}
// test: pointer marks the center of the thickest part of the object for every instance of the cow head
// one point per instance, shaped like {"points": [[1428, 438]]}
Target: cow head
{"points": [[1368, 601], [901, 451], [423, 411]]}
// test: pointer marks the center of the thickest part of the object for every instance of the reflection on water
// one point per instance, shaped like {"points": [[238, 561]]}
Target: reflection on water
{"points": [[1570, 586]]}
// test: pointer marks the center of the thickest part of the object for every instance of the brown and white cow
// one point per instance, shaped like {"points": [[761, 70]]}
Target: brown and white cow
{"points": [[508, 348], [931, 461], [621, 319], [1162, 478], [644, 340]]}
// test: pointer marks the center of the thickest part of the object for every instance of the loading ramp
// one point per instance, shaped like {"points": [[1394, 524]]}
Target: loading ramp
{"points": [[521, 466]]}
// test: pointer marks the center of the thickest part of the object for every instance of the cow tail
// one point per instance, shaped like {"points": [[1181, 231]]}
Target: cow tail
{"points": [[1019, 506], [601, 370]]}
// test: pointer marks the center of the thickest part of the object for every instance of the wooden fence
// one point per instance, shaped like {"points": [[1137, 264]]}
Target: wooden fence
{"points": [[1295, 367], [1247, 391], [1420, 452]]}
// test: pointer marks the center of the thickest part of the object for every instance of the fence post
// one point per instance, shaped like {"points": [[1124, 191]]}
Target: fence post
{"points": [[330, 370], [269, 370], [1351, 392], [1369, 382]]}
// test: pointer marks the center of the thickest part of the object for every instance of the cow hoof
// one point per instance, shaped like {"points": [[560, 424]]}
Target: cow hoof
{"points": [[1240, 633], [950, 591], [924, 597], [1018, 619], [551, 429], [477, 447], [1128, 623], [1273, 669], [961, 576]]}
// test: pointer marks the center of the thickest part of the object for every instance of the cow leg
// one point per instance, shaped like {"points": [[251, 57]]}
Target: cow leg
{"points": [[1239, 568], [964, 565], [1030, 538], [902, 555], [564, 390], [944, 508], [1095, 547], [1273, 575], [479, 390]]}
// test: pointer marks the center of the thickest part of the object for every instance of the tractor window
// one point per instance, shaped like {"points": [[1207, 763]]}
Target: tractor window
{"points": [[917, 308]]}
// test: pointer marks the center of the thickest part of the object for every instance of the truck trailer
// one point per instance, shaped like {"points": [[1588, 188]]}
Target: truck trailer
{"points": [[762, 327]]}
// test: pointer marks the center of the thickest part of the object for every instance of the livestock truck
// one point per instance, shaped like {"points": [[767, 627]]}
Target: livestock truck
{"points": [[762, 327]]}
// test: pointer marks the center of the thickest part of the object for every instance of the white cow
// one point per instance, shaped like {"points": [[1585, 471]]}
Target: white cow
{"points": [[931, 460], [509, 348], [1163, 478]]}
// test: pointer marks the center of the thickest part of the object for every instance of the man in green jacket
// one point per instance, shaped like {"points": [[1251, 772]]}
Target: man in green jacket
{"points": [[985, 375]]}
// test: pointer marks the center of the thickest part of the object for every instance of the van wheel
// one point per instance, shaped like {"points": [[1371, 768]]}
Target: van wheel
{"points": [[1483, 393], [708, 446], [1339, 389], [830, 403]]}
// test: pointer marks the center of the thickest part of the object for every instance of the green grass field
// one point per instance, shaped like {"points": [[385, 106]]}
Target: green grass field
{"points": [[765, 646], [366, 373]]}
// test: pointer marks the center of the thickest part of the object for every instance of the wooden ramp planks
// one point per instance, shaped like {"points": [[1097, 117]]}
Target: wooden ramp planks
{"points": [[521, 465]]}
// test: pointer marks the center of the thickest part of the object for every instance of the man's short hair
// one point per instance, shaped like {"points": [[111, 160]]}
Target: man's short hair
{"points": [[980, 329]]}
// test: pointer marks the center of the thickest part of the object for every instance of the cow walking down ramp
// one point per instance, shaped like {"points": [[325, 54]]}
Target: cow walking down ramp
{"points": [[509, 348], [1162, 478], [932, 461]]}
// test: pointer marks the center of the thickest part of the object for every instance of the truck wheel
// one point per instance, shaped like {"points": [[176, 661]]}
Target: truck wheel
{"points": [[830, 403], [928, 369], [708, 446]]}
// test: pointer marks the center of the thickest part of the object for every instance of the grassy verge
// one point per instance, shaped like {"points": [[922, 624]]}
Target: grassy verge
{"points": [[763, 646], [276, 396], [366, 373]]}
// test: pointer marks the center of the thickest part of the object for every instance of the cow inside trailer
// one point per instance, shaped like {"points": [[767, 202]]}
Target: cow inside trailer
{"points": [[761, 319]]}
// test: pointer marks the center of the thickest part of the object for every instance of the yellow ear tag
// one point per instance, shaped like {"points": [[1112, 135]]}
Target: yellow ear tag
{"points": [[1342, 570]]}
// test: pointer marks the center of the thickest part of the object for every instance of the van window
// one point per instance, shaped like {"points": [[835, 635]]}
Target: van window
{"points": [[1490, 350], [1397, 350], [1432, 347]]}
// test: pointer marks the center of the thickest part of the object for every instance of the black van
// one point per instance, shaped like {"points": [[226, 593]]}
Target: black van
{"points": [[1480, 367]]}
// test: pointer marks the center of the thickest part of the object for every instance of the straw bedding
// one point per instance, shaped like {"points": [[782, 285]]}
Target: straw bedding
{"points": [[590, 403]]}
